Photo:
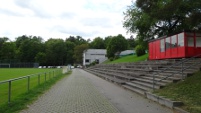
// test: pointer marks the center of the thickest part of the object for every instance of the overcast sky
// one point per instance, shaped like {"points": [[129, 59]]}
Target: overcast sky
{"points": [[62, 18]]}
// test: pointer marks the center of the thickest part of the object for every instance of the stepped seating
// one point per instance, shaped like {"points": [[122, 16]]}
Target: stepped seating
{"points": [[138, 76]]}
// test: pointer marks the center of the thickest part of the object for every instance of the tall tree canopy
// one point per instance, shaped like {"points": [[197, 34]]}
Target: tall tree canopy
{"points": [[116, 45], [55, 51], [151, 18], [97, 43], [78, 52]]}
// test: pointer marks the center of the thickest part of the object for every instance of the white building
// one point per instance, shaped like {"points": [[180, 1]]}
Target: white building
{"points": [[91, 55]]}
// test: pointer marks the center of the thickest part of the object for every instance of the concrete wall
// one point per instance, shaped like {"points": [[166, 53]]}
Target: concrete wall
{"points": [[92, 55]]}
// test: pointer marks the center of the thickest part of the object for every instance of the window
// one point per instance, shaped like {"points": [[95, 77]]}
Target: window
{"points": [[174, 41], [167, 43], [162, 45], [198, 41], [181, 39], [190, 41], [87, 60], [198, 34], [190, 34]]}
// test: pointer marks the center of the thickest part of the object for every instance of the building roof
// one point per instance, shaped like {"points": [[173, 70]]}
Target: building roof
{"points": [[126, 52]]}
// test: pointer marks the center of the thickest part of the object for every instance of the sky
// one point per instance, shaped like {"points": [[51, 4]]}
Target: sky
{"points": [[62, 18]]}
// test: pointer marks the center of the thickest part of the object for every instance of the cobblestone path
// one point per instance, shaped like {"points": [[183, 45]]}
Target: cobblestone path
{"points": [[73, 94]]}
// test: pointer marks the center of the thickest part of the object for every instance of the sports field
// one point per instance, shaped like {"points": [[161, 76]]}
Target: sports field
{"points": [[21, 86]]}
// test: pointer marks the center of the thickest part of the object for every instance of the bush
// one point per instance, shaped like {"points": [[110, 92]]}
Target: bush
{"points": [[140, 50], [111, 58]]}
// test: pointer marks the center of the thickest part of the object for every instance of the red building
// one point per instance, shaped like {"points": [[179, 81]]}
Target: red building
{"points": [[182, 45]]}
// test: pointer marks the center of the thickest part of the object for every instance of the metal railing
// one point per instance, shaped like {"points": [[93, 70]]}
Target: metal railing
{"points": [[51, 74], [181, 63]]}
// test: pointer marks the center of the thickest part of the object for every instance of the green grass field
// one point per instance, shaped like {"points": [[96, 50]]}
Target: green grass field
{"points": [[20, 86], [130, 58]]}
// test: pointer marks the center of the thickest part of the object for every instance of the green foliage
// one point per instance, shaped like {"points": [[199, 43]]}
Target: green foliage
{"points": [[7, 51], [131, 42], [107, 41], [41, 58], [140, 50], [157, 18], [69, 53], [187, 91], [28, 47], [116, 45], [97, 43], [130, 58], [78, 52], [92, 64], [53, 51], [56, 51]]}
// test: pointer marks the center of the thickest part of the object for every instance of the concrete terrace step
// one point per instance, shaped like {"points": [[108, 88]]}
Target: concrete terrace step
{"points": [[173, 78], [139, 91], [149, 81], [117, 75], [176, 73], [151, 78], [148, 85], [125, 72], [136, 70], [178, 68], [112, 79], [137, 86]]}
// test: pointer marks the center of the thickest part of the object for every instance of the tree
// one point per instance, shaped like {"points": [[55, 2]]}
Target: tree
{"points": [[28, 47], [8, 50], [116, 45], [78, 40], [162, 17], [97, 43], [78, 52], [41, 58], [69, 52], [55, 52], [20, 39], [131, 42], [107, 41]]}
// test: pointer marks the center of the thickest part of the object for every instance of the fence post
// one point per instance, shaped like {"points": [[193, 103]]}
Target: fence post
{"points": [[182, 70], [45, 76], [153, 81], [9, 91], [38, 79], [50, 75], [28, 84]]}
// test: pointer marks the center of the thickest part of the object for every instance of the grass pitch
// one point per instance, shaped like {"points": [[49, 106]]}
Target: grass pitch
{"points": [[20, 86]]}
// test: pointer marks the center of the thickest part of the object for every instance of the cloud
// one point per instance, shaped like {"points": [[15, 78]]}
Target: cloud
{"points": [[62, 18], [103, 22]]}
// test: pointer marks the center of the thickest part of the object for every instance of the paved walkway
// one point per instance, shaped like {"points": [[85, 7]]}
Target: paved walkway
{"points": [[83, 92]]}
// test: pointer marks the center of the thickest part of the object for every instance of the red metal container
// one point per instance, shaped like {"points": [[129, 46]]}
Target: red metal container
{"points": [[182, 45]]}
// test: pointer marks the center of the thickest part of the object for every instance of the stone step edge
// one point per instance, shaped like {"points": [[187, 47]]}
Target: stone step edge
{"points": [[179, 110], [163, 101]]}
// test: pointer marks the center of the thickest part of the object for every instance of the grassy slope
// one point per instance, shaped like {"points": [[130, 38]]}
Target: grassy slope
{"points": [[187, 91], [130, 58]]}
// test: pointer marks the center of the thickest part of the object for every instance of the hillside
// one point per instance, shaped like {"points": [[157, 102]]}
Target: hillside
{"points": [[129, 58], [187, 91]]}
